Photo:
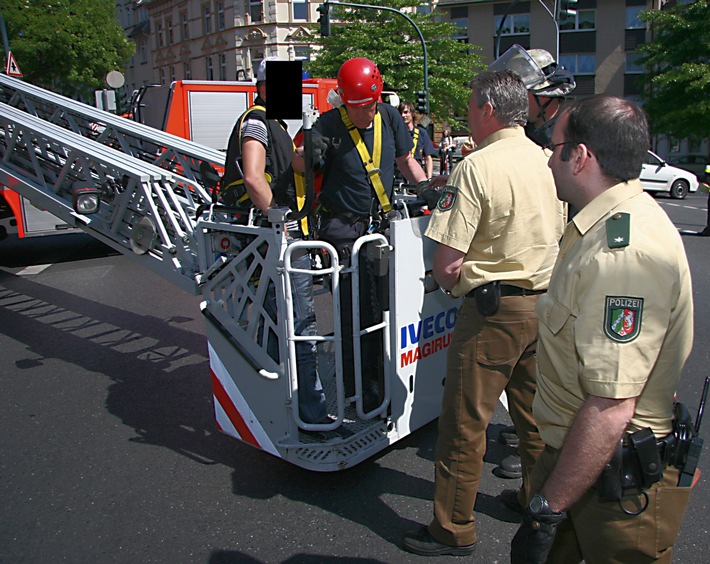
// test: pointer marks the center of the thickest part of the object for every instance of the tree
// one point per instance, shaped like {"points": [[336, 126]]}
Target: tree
{"points": [[66, 46], [393, 44], [677, 60]]}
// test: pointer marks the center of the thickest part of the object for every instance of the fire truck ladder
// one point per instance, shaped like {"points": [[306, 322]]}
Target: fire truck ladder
{"points": [[153, 206], [172, 153]]}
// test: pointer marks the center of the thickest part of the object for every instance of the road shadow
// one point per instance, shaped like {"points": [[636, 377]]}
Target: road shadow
{"points": [[160, 387]]}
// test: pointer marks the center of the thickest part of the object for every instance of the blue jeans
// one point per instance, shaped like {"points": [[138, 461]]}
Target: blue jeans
{"points": [[311, 398]]}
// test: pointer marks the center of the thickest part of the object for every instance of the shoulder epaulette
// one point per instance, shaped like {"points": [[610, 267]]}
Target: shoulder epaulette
{"points": [[618, 230]]}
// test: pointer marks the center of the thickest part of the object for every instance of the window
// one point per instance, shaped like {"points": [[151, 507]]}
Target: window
{"points": [[220, 16], [302, 53], [222, 66], [579, 64], [462, 33], [632, 20], [209, 70], [172, 73], [256, 11], [632, 65], [159, 35], [300, 10], [184, 27], [515, 24], [187, 71], [206, 19], [583, 20], [169, 28], [143, 51], [162, 76]]}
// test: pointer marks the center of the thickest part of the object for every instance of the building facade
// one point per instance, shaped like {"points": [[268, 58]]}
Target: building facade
{"points": [[226, 39]]}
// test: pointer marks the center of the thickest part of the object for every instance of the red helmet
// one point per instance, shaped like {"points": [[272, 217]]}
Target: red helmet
{"points": [[359, 82]]}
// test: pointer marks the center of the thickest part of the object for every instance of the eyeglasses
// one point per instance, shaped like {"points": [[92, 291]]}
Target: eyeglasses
{"points": [[552, 146]]}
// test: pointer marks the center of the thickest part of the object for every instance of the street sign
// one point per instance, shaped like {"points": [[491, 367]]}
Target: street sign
{"points": [[12, 69]]}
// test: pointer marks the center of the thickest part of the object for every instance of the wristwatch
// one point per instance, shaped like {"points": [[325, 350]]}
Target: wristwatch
{"points": [[539, 506]]}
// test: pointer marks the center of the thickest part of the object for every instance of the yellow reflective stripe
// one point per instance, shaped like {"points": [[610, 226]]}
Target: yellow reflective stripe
{"points": [[299, 180], [415, 139], [371, 164]]}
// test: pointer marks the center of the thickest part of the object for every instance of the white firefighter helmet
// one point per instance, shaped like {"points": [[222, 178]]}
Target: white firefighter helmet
{"points": [[538, 70]]}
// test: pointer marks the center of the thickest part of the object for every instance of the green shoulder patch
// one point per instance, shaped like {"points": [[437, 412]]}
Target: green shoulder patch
{"points": [[447, 198], [618, 230], [622, 318]]}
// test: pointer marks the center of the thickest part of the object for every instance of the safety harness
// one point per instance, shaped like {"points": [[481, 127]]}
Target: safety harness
{"points": [[415, 138], [298, 178], [371, 163]]}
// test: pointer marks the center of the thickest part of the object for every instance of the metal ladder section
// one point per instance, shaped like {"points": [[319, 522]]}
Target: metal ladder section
{"points": [[164, 150], [145, 211]]}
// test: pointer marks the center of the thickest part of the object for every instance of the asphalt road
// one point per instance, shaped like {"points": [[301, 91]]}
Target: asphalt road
{"points": [[108, 450]]}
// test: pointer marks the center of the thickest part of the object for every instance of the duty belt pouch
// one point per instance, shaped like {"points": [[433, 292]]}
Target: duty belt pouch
{"points": [[487, 298], [649, 460], [609, 482]]}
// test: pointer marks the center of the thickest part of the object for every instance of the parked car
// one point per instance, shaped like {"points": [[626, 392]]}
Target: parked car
{"points": [[457, 156], [658, 176], [694, 163]]}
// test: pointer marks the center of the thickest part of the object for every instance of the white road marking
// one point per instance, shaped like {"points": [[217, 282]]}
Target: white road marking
{"points": [[32, 270]]}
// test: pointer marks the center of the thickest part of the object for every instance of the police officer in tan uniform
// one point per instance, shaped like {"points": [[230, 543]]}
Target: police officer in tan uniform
{"points": [[616, 327], [497, 223]]}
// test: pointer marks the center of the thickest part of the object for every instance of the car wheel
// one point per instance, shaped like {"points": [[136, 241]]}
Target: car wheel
{"points": [[679, 189]]}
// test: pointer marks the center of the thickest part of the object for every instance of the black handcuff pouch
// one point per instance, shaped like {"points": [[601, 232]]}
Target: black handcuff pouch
{"points": [[487, 298], [634, 467]]}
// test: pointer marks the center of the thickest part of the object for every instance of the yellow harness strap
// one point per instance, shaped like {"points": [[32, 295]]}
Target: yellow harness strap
{"points": [[371, 163], [299, 178], [416, 140]]}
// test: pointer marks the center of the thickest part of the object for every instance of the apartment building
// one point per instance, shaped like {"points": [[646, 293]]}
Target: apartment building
{"points": [[226, 40], [212, 39]]}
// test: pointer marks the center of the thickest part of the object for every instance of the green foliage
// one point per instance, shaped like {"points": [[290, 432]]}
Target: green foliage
{"points": [[677, 97], [393, 44], [67, 46]]}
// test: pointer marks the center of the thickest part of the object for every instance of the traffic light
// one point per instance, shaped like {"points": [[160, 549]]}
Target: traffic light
{"points": [[422, 102], [324, 19], [565, 9]]}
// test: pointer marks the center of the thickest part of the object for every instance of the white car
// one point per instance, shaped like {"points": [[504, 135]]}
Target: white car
{"points": [[658, 176]]}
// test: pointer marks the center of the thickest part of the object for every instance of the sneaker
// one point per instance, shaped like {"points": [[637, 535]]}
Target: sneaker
{"points": [[421, 542], [511, 501]]}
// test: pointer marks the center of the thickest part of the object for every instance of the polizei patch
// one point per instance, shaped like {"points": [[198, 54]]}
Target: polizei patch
{"points": [[622, 318], [447, 198]]}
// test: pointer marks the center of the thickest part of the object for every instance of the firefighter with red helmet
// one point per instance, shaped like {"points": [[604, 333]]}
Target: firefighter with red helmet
{"points": [[356, 147]]}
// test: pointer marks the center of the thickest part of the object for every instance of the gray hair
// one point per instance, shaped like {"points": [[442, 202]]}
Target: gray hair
{"points": [[505, 92]]}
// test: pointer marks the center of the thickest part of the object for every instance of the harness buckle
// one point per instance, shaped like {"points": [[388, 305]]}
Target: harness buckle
{"points": [[373, 172]]}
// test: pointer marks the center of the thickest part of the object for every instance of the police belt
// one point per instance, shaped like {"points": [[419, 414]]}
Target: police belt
{"points": [[508, 290]]}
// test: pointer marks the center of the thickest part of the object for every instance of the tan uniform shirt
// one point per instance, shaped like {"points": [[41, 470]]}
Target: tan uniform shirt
{"points": [[617, 320], [501, 209]]}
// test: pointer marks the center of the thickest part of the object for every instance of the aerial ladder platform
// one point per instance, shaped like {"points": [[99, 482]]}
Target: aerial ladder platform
{"points": [[148, 194]]}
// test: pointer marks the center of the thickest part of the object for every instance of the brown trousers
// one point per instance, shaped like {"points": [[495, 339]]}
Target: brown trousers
{"points": [[487, 355], [599, 532]]}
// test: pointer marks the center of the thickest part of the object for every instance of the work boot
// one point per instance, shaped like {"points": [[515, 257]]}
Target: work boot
{"points": [[421, 542], [509, 437], [510, 467]]}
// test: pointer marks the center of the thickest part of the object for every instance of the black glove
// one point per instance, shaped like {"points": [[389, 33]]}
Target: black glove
{"points": [[533, 541], [320, 148], [428, 194]]}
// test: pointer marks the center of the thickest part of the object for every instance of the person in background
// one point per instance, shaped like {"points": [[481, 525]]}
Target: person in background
{"points": [[357, 146], [547, 84], [497, 224], [616, 327], [423, 150], [258, 160], [446, 150]]}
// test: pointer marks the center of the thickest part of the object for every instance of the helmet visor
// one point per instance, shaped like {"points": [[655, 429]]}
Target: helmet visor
{"points": [[517, 60]]}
